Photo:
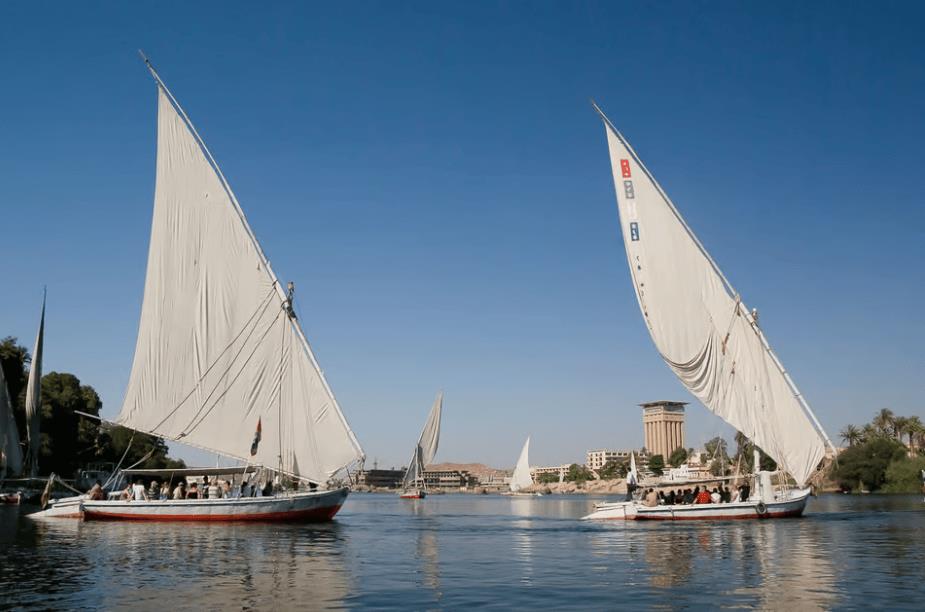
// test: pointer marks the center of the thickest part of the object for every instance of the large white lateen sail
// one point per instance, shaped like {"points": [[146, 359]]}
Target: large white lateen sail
{"points": [[34, 400], [700, 326], [219, 347], [521, 478], [426, 448], [11, 461]]}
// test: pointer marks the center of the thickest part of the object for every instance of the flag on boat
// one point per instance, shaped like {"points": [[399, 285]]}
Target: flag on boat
{"points": [[256, 441]]}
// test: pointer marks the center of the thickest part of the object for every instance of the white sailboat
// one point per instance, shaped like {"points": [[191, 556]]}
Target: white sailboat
{"points": [[221, 362], [34, 401], [521, 480], [711, 341], [10, 450], [413, 485]]}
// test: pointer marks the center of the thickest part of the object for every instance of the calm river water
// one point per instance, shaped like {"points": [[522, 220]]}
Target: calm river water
{"points": [[466, 551]]}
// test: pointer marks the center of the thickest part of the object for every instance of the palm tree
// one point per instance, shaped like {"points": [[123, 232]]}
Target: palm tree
{"points": [[900, 425], [914, 429], [851, 435], [885, 421]]}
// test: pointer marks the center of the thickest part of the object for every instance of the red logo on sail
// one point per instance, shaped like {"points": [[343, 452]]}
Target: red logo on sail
{"points": [[625, 167]]}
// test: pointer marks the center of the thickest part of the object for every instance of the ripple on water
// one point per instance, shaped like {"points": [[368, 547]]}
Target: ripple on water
{"points": [[456, 551]]}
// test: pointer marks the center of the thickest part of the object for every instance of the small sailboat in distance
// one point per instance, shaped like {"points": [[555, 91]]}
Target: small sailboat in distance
{"points": [[221, 362], [521, 480], [413, 485], [712, 342]]}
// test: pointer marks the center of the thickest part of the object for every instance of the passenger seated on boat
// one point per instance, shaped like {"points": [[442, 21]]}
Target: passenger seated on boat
{"points": [[226, 489], [688, 497], [126, 494], [245, 489], [651, 499], [180, 491], [735, 496], [268, 489], [715, 497], [193, 492], [96, 492], [213, 491], [670, 498], [165, 491], [154, 490], [703, 497], [138, 491]]}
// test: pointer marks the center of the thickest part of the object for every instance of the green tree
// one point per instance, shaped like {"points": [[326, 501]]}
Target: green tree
{"points": [[850, 435], [578, 473], [904, 475], [13, 360], [677, 457], [614, 469], [547, 478], [885, 422], [657, 464], [864, 465]]}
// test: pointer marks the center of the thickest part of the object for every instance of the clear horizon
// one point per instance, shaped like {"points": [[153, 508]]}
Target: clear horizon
{"points": [[435, 182]]}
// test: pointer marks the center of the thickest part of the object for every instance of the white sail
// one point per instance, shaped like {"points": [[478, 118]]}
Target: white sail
{"points": [[426, 448], [34, 400], [219, 348], [701, 328], [632, 476], [11, 461], [521, 478]]}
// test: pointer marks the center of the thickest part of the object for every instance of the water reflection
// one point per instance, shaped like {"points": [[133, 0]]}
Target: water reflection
{"points": [[460, 551]]}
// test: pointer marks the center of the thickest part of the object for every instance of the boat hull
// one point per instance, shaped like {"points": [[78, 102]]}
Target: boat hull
{"points": [[790, 506], [413, 494], [303, 507], [10, 499], [68, 507]]}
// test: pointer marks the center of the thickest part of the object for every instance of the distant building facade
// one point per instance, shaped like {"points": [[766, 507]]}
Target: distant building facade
{"points": [[597, 459], [663, 424], [558, 470], [390, 479], [450, 479]]}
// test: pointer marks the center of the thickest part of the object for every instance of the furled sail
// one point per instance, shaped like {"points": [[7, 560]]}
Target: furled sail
{"points": [[632, 476], [426, 448], [219, 348], [700, 326], [521, 478], [34, 400], [11, 461]]}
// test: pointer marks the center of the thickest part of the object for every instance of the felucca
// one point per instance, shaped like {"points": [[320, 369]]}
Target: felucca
{"points": [[521, 480], [221, 361], [713, 344], [413, 485]]}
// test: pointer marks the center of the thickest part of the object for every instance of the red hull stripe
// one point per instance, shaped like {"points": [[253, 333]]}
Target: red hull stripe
{"points": [[719, 517], [313, 514]]}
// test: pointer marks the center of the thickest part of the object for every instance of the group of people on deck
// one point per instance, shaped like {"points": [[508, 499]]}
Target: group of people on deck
{"points": [[719, 495], [216, 489]]}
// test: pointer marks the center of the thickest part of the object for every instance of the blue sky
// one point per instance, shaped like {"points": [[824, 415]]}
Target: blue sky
{"points": [[433, 178]]}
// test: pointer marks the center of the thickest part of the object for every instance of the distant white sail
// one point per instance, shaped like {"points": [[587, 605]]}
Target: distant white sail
{"points": [[700, 326], [521, 478], [34, 400], [11, 462], [426, 448], [219, 348], [632, 477]]}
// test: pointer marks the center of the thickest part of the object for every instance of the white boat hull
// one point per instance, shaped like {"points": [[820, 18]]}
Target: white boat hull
{"points": [[413, 494], [791, 505], [67, 507], [307, 507]]}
